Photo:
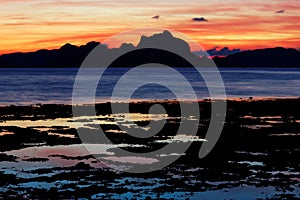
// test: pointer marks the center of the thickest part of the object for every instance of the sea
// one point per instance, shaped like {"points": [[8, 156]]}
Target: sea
{"points": [[28, 86]]}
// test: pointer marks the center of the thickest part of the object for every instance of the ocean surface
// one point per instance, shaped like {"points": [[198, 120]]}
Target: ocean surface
{"points": [[55, 85]]}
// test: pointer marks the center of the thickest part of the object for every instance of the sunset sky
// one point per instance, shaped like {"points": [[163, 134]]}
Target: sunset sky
{"points": [[28, 25]]}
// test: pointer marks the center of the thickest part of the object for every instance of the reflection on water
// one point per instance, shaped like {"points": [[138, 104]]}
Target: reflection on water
{"points": [[46, 157], [6, 133], [181, 138], [85, 121]]}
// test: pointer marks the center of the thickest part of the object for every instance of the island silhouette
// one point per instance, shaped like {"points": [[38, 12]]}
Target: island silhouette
{"points": [[71, 56]]}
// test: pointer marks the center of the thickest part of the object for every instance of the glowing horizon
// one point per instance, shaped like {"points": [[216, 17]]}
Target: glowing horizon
{"points": [[32, 25]]}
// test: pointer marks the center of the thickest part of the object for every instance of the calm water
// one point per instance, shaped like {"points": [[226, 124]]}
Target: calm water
{"points": [[31, 86]]}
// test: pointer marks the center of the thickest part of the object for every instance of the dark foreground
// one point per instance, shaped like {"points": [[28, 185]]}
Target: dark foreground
{"points": [[257, 156]]}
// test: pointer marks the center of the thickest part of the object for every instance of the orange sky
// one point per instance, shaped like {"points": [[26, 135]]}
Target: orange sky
{"points": [[28, 25]]}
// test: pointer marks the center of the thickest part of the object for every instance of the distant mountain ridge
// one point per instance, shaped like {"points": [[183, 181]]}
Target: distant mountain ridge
{"points": [[72, 56], [66, 56], [270, 57]]}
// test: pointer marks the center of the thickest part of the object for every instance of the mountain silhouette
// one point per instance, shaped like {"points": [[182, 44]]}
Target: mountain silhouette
{"points": [[67, 56], [270, 57], [162, 48], [148, 50]]}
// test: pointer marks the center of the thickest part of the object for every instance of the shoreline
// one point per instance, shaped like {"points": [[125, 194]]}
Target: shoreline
{"points": [[259, 143], [151, 101]]}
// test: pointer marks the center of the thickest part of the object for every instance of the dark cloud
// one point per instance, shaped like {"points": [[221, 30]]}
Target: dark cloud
{"points": [[215, 52], [200, 19], [280, 11], [155, 17]]}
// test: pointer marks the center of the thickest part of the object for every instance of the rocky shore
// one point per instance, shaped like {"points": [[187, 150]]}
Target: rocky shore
{"points": [[257, 156]]}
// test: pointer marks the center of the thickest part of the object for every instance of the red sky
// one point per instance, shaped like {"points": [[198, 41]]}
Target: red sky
{"points": [[28, 25]]}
